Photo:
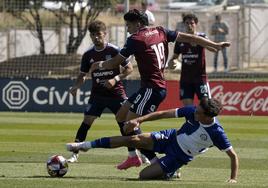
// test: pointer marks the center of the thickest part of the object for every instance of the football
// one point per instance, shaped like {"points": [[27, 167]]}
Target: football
{"points": [[57, 166]]}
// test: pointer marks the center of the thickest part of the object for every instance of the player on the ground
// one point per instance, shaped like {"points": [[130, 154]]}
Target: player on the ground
{"points": [[149, 45], [200, 131], [107, 90], [193, 77]]}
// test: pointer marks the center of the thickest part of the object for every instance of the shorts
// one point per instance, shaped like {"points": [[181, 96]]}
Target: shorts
{"points": [[146, 100], [96, 105], [187, 90], [165, 141]]}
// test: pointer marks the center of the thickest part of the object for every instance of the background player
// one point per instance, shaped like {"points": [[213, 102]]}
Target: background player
{"points": [[107, 90], [193, 77], [200, 131], [149, 45]]}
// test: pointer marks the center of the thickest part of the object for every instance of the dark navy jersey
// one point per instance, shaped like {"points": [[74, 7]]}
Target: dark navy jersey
{"points": [[99, 76], [150, 48], [195, 138], [193, 68]]}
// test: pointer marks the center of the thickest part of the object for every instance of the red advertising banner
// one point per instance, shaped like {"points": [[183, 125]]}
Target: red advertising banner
{"points": [[238, 98]]}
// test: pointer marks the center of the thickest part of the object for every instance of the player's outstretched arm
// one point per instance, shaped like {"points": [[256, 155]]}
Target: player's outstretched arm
{"points": [[234, 165], [135, 123], [108, 64], [206, 43], [127, 70]]}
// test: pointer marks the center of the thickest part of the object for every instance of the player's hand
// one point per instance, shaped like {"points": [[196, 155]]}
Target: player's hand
{"points": [[131, 125], [110, 83], [73, 90], [172, 64], [232, 181], [225, 44]]}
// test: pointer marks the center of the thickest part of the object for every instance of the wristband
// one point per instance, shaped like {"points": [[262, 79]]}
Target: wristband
{"points": [[101, 64], [117, 78]]}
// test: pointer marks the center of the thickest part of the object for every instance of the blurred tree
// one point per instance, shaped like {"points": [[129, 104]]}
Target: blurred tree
{"points": [[77, 14]]}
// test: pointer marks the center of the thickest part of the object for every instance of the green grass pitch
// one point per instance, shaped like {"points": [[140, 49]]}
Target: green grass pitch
{"points": [[28, 139]]}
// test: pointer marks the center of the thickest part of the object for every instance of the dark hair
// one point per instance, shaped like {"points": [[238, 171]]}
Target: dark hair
{"points": [[136, 16], [190, 17], [211, 107], [96, 26]]}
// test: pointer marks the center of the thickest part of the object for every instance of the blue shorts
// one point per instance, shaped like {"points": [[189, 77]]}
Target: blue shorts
{"points": [[165, 141], [187, 90], [147, 100], [96, 105]]}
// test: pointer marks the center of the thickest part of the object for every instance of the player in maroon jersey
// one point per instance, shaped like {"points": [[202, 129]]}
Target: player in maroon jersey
{"points": [[107, 90], [149, 45], [193, 78]]}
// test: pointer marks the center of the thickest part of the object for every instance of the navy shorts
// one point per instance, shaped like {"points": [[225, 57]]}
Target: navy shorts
{"points": [[147, 100], [187, 90], [165, 141], [96, 105]]}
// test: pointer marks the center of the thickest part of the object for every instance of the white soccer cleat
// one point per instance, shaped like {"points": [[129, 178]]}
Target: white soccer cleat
{"points": [[73, 158], [76, 146]]}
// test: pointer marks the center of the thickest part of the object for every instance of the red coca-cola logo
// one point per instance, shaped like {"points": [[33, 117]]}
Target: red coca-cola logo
{"points": [[248, 100]]}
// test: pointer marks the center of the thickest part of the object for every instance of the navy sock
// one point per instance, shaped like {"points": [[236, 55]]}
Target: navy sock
{"points": [[101, 143]]}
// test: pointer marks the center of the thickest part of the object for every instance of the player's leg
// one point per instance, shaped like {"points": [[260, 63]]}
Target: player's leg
{"points": [[136, 141], [120, 109], [92, 111], [164, 141], [145, 101], [187, 93]]}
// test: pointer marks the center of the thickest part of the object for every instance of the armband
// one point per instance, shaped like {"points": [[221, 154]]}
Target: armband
{"points": [[117, 78]]}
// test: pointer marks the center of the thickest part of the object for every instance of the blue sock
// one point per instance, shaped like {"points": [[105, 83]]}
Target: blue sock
{"points": [[101, 143]]}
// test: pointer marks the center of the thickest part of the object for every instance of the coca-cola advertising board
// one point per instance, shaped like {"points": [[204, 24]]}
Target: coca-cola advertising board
{"points": [[238, 98]]}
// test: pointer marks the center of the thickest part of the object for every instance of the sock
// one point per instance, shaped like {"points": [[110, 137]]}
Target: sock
{"points": [[132, 153], [101, 143], [82, 132]]}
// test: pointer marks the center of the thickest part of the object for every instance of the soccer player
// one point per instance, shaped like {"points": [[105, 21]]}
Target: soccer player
{"points": [[200, 131], [149, 45], [193, 79], [107, 90]]}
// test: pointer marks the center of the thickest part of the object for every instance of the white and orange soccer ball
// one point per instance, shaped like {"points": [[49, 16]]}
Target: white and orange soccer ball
{"points": [[57, 166]]}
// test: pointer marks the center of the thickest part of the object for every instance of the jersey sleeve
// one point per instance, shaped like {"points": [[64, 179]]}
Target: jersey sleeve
{"points": [[171, 35], [85, 66], [128, 48], [186, 111], [177, 49], [220, 140]]}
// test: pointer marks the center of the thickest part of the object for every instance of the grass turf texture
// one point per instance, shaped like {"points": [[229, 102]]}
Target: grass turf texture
{"points": [[28, 139]]}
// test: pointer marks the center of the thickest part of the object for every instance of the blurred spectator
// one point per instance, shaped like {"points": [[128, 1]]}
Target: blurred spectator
{"points": [[150, 15], [180, 25], [219, 29]]}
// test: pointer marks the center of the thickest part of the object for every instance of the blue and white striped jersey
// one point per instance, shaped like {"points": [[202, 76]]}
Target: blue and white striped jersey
{"points": [[195, 138]]}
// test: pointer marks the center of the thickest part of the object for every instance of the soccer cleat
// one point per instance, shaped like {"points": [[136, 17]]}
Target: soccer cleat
{"points": [[130, 162], [145, 160], [73, 158], [76, 146]]}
